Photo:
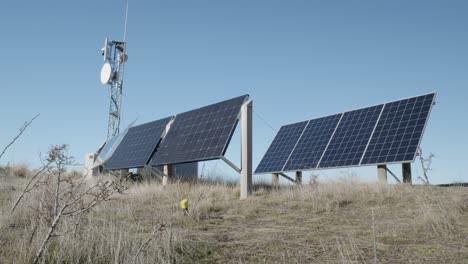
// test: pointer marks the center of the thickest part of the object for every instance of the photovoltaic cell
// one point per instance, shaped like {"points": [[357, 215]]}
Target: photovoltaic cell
{"points": [[351, 138], [279, 151], [200, 134], [399, 131], [138, 145], [312, 143]]}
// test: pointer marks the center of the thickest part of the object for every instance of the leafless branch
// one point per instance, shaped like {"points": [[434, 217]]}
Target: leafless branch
{"points": [[198, 201], [373, 236], [22, 129], [49, 235], [29, 186], [146, 242], [426, 164]]}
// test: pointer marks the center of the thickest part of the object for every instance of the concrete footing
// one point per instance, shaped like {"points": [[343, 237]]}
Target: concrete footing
{"points": [[382, 173], [167, 174], [123, 172], [274, 179], [406, 172], [298, 177]]}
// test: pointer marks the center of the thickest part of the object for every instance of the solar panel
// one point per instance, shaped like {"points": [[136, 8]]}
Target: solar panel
{"points": [[138, 145], [386, 133], [351, 137], [399, 131], [312, 143], [279, 151], [111, 145], [200, 134]]}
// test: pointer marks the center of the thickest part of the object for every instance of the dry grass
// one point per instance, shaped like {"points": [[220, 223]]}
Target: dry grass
{"points": [[321, 223], [20, 170]]}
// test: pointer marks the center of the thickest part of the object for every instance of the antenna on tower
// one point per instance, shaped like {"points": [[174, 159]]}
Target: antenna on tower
{"points": [[112, 73]]}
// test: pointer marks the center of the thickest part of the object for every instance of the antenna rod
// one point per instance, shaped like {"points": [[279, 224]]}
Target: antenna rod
{"points": [[124, 53], [126, 19]]}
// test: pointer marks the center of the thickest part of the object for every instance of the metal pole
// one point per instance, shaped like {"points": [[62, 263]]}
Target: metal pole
{"points": [[246, 138]]}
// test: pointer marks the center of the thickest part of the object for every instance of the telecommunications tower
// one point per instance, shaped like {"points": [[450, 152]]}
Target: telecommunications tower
{"points": [[112, 74]]}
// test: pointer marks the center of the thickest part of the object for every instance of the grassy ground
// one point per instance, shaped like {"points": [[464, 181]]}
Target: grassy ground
{"points": [[323, 223]]}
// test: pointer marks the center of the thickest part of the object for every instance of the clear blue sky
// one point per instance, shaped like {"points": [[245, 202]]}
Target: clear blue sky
{"points": [[297, 59]]}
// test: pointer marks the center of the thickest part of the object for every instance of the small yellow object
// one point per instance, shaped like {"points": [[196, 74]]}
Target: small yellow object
{"points": [[184, 204]]}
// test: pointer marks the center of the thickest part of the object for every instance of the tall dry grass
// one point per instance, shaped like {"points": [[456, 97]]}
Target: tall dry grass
{"points": [[319, 223], [20, 170]]}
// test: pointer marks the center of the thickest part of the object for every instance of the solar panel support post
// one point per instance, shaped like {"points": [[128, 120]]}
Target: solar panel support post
{"points": [[274, 179], [382, 173], [246, 152], [167, 174], [406, 171], [298, 178]]}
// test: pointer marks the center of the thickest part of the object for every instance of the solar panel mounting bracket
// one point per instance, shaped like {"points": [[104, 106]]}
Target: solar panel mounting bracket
{"points": [[153, 171], [286, 177], [232, 165], [391, 173]]}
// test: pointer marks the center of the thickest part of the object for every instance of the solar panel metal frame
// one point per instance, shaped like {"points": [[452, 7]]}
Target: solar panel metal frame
{"points": [[246, 97], [370, 138], [161, 136]]}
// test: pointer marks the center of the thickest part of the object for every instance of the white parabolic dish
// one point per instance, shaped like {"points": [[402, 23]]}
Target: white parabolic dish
{"points": [[106, 73]]}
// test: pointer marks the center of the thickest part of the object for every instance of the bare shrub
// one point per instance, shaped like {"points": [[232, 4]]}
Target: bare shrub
{"points": [[68, 196], [61, 195], [313, 181]]}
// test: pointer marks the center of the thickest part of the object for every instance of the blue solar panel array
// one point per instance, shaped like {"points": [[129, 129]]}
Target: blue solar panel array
{"points": [[278, 152], [138, 145], [200, 134], [381, 134]]}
